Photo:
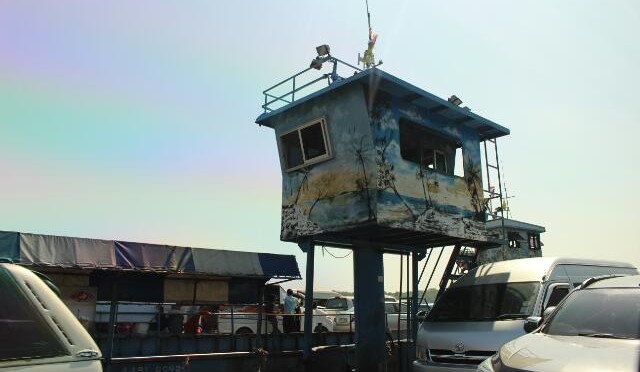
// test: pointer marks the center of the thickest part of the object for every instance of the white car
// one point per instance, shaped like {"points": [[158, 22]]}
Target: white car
{"points": [[38, 333], [345, 320], [595, 328], [246, 322]]}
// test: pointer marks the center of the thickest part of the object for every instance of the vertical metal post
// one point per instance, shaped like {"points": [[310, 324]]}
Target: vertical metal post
{"points": [[259, 334], [399, 301], [416, 305], [233, 329], [309, 247], [113, 311], [369, 307]]}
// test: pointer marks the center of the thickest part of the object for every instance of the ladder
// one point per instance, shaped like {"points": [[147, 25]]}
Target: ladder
{"points": [[462, 259], [491, 192]]}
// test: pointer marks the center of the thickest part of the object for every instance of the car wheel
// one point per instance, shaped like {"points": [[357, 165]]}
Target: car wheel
{"points": [[244, 331], [321, 329]]}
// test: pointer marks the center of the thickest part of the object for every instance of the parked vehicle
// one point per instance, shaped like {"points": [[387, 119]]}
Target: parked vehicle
{"points": [[595, 328], [247, 322], [487, 307], [38, 333], [320, 297], [338, 303], [345, 320]]}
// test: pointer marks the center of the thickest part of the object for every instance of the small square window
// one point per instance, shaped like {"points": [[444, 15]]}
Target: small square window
{"points": [[534, 241], [305, 145], [514, 239], [441, 161]]}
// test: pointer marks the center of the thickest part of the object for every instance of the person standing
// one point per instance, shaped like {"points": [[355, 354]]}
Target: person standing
{"points": [[290, 304]]}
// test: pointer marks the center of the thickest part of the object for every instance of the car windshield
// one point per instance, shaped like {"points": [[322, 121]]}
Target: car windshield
{"points": [[598, 312], [497, 301], [390, 307], [23, 331], [337, 303]]}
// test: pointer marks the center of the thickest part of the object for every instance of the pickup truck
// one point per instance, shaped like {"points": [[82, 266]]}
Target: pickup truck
{"points": [[38, 333]]}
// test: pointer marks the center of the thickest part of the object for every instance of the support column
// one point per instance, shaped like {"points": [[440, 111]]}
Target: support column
{"points": [[113, 308], [308, 246], [369, 308], [414, 298]]}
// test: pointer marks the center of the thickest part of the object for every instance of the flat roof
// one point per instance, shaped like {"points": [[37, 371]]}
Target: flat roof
{"points": [[377, 79], [497, 223]]}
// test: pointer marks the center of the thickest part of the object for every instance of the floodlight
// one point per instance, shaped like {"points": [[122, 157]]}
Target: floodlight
{"points": [[316, 63], [455, 100], [323, 50]]}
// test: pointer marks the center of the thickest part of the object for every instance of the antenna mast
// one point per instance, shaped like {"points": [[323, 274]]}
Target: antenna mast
{"points": [[367, 59]]}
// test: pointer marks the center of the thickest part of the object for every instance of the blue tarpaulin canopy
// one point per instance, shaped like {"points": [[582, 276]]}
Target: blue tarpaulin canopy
{"points": [[82, 253]]}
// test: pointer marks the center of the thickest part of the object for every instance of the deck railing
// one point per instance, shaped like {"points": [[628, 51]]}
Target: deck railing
{"points": [[284, 92]]}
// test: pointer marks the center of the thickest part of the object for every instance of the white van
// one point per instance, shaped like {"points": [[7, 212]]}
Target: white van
{"points": [[38, 333], [488, 307]]}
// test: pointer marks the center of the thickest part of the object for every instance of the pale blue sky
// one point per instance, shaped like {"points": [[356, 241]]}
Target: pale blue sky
{"points": [[135, 120]]}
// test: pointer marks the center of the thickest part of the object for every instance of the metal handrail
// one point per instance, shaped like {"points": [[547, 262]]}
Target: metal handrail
{"points": [[333, 76]]}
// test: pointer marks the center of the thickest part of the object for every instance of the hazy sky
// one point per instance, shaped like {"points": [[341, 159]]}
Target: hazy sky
{"points": [[135, 120]]}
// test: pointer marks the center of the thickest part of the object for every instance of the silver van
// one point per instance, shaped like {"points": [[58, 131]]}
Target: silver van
{"points": [[38, 333], [488, 306]]}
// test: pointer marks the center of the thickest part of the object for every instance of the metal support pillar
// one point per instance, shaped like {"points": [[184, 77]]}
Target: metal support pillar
{"points": [[259, 332], [309, 247], [369, 306], [113, 309], [414, 298]]}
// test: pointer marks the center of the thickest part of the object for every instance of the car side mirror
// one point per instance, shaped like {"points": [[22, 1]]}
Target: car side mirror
{"points": [[532, 323], [547, 312]]}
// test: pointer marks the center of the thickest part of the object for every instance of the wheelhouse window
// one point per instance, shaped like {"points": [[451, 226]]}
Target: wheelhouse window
{"points": [[534, 241], [305, 145], [514, 239], [428, 149]]}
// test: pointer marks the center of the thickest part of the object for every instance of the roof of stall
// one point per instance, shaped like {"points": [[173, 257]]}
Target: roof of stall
{"points": [[380, 80], [95, 254]]}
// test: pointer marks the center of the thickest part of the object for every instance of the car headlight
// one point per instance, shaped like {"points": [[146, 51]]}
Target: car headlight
{"points": [[496, 362], [485, 366], [493, 364]]}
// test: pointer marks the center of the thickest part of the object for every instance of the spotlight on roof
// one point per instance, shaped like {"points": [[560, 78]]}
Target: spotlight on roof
{"points": [[323, 50], [316, 63], [323, 56], [455, 100]]}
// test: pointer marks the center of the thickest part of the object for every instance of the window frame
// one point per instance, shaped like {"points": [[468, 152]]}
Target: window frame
{"points": [[305, 163]]}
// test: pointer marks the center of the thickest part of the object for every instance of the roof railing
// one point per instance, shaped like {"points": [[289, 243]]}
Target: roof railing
{"points": [[273, 99]]}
